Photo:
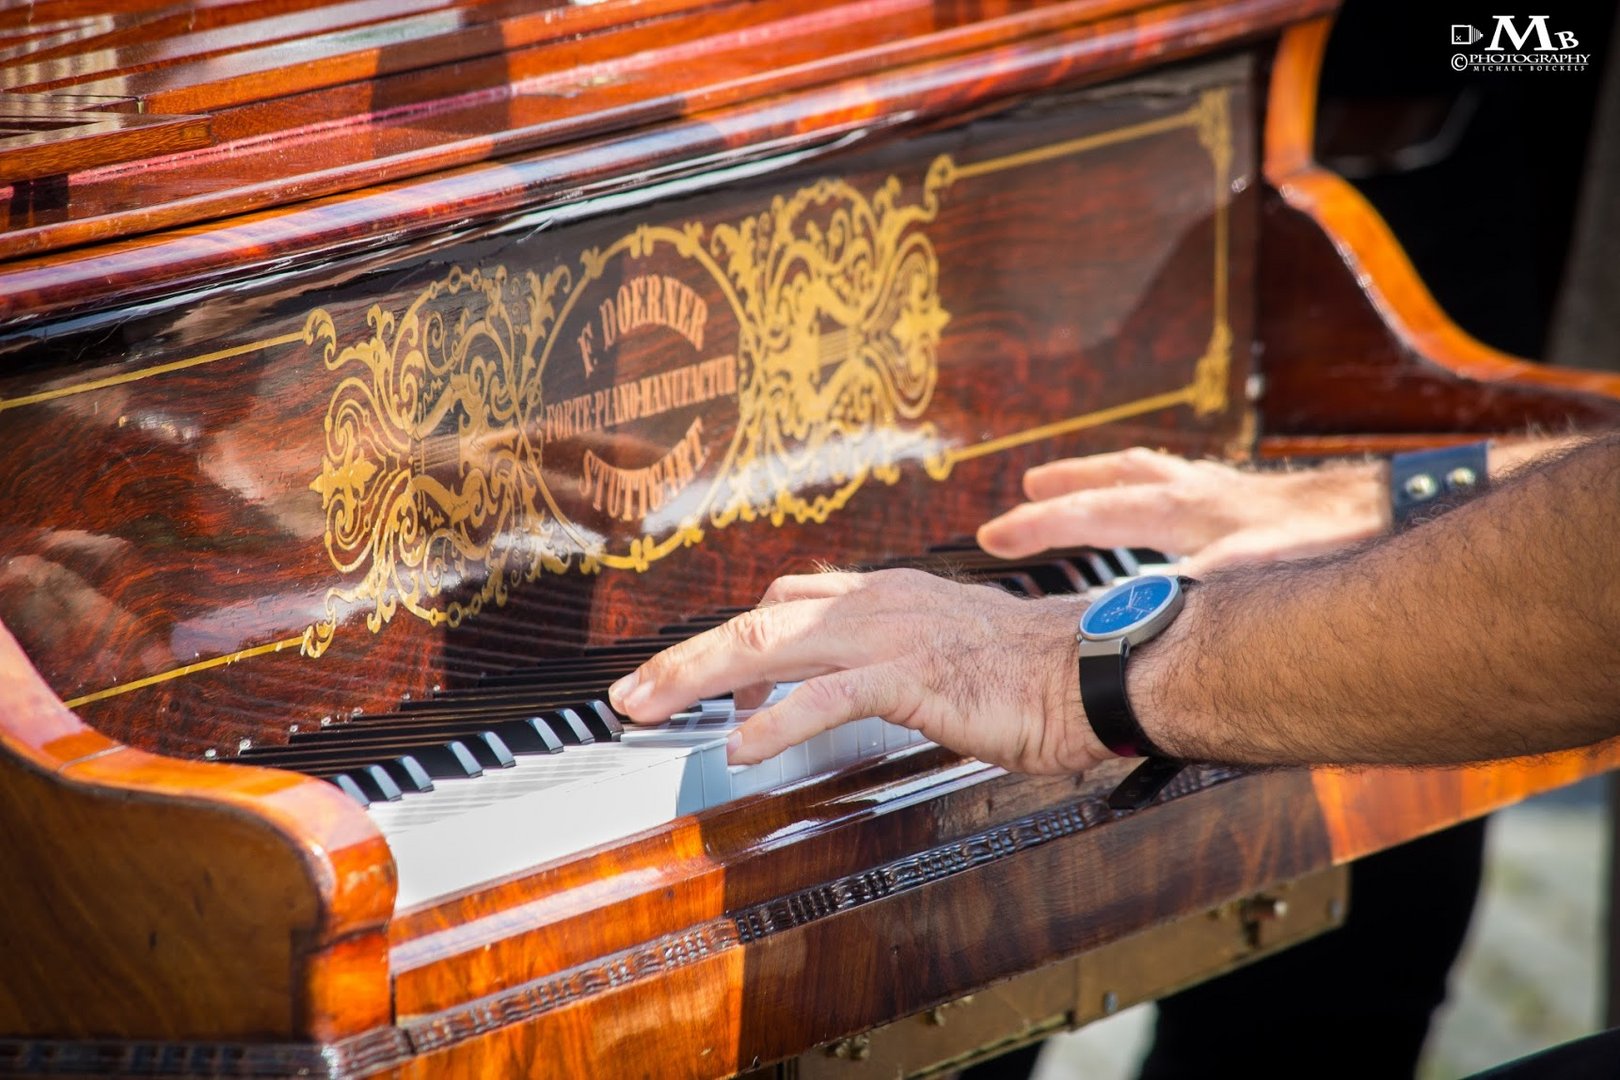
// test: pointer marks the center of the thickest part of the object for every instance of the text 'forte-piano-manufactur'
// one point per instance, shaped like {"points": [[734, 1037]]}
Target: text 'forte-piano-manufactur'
{"points": [[380, 380]]}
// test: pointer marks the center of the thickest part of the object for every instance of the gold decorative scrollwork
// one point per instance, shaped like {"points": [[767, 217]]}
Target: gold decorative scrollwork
{"points": [[840, 298], [431, 480]]}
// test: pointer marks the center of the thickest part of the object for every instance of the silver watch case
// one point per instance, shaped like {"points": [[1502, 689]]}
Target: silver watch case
{"points": [[1144, 629]]}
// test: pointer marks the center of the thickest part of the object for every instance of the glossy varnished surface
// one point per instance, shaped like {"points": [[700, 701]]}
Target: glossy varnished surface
{"points": [[288, 126], [257, 898], [437, 463], [1355, 344], [932, 260]]}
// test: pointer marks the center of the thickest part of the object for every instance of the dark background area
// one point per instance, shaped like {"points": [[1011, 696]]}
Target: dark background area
{"points": [[1479, 174]]}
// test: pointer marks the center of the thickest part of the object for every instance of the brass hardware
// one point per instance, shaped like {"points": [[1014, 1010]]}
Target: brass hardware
{"points": [[854, 1048], [1256, 911], [1075, 991]]}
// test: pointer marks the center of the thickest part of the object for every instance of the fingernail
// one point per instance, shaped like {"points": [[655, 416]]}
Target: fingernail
{"points": [[619, 692], [733, 746]]}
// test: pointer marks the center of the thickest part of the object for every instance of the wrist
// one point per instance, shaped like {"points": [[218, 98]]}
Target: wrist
{"points": [[1062, 709], [1154, 674]]}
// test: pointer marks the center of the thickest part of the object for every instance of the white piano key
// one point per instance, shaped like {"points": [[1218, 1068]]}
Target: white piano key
{"points": [[846, 747], [795, 764], [818, 754], [1128, 561], [868, 737], [750, 779], [540, 809], [716, 774]]}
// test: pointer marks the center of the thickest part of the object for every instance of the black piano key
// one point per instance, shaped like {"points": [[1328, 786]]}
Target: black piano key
{"points": [[448, 760], [569, 726], [521, 733], [484, 744], [346, 784], [1057, 577], [602, 720], [503, 703], [1124, 562], [1097, 569], [376, 783], [409, 774], [1146, 555], [490, 750], [405, 773], [436, 756], [1019, 585], [531, 735]]}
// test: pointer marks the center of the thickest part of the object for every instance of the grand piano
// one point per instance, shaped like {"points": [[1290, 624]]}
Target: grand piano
{"points": [[380, 380]]}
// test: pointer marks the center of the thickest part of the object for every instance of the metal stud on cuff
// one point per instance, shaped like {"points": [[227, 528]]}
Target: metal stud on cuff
{"points": [[1419, 478]]}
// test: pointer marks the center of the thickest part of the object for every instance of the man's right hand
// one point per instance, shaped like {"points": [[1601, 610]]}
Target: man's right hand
{"points": [[1214, 514]]}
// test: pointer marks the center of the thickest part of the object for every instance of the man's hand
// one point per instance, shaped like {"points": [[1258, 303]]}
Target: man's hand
{"points": [[971, 667], [1215, 514]]}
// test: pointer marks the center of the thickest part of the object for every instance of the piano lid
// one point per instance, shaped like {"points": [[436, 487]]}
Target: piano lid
{"points": [[118, 126]]}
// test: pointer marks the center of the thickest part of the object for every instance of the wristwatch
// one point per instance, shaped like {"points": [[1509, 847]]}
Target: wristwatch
{"points": [[1129, 614]]}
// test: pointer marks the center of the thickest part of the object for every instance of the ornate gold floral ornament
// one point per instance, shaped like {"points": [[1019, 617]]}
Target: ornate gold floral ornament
{"points": [[435, 481], [430, 459]]}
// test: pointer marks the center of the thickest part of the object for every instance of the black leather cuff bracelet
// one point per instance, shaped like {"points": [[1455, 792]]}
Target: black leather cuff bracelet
{"points": [[1421, 479]]}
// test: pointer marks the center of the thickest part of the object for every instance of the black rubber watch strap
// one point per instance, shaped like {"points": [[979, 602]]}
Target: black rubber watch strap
{"points": [[1102, 692], [1145, 783]]}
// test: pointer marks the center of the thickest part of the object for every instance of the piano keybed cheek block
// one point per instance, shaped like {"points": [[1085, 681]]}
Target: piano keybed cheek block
{"points": [[328, 534]]}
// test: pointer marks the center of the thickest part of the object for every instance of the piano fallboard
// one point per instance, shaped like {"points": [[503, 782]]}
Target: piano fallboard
{"points": [[588, 418]]}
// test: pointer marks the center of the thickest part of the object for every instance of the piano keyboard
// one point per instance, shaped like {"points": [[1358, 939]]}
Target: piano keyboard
{"points": [[474, 783]]}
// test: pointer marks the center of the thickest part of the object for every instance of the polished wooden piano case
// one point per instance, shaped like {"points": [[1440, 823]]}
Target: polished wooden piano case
{"points": [[350, 353]]}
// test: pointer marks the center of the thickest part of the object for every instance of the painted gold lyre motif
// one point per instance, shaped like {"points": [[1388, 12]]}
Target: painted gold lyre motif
{"points": [[840, 300], [431, 481], [430, 464]]}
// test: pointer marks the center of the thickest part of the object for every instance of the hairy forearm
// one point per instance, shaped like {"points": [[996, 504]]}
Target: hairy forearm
{"points": [[1491, 631]]}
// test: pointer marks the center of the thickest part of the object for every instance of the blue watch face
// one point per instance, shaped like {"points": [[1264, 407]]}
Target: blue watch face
{"points": [[1133, 603]]}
